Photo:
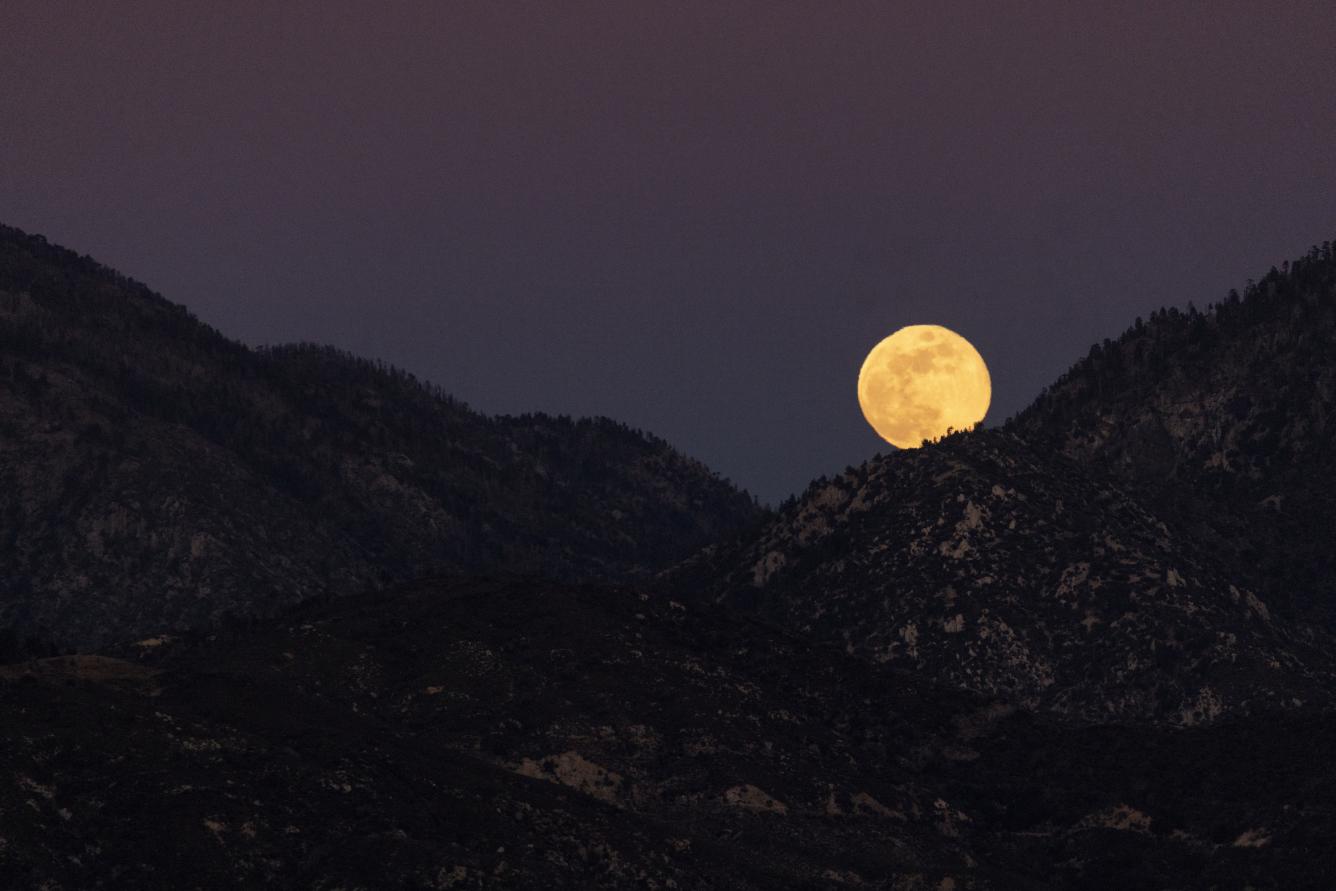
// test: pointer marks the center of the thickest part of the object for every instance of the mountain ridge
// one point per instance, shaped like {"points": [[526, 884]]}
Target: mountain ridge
{"points": [[1108, 554], [975, 561], [155, 475], [1224, 418]]}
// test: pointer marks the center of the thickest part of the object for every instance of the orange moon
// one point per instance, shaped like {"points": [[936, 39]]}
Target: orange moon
{"points": [[921, 383]]}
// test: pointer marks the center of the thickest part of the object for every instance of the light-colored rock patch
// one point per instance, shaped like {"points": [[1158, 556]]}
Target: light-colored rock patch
{"points": [[1253, 838], [909, 634], [766, 567], [949, 819], [574, 770], [751, 798], [1257, 606], [1123, 818], [1206, 708], [866, 804]]}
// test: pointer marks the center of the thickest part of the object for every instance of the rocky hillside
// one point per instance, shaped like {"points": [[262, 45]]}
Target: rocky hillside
{"points": [[155, 475], [1153, 539], [475, 733], [1225, 419], [987, 567]]}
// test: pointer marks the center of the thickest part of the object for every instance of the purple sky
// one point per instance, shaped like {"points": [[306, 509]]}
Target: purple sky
{"points": [[694, 217]]}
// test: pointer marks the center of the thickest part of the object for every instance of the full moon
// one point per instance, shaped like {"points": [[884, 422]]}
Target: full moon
{"points": [[921, 383]]}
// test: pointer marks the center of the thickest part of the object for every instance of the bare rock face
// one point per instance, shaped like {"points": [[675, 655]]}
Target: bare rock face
{"points": [[156, 476], [985, 566]]}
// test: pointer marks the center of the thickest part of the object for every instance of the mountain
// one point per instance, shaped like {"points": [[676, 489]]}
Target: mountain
{"points": [[990, 567], [156, 476], [1152, 540], [1225, 420], [513, 732], [337, 630]]}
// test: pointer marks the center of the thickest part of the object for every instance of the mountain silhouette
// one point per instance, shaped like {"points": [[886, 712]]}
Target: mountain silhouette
{"points": [[1223, 418], [288, 617], [155, 475]]}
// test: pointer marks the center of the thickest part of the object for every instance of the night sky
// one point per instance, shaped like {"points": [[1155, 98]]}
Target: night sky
{"points": [[695, 218]]}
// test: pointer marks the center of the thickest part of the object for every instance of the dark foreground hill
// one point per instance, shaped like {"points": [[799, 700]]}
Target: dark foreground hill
{"points": [[514, 733], [155, 475]]}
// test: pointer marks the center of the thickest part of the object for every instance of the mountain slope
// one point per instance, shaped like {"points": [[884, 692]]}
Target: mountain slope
{"points": [[1153, 539], [1225, 420], [503, 732], [154, 475], [467, 732], [989, 567]]}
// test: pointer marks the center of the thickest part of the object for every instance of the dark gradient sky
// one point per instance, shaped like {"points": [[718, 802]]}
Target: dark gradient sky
{"points": [[696, 218]]}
